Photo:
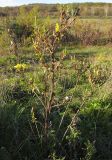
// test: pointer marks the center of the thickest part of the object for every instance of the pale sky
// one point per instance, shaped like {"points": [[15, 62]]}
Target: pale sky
{"points": [[20, 2]]}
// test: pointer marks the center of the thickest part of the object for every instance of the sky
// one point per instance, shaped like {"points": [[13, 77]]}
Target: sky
{"points": [[21, 2]]}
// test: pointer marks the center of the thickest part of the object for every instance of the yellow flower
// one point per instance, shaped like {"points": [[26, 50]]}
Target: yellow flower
{"points": [[57, 27], [24, 66], [20, 67]]}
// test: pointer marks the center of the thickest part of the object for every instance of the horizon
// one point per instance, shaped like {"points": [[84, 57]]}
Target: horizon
{"points": [[14, 3]]}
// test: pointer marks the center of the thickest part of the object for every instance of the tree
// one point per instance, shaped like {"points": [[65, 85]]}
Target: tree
{"points": [[26, 17]]}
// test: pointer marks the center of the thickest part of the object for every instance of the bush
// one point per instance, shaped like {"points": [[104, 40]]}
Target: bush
{"points": [[20, 31]]}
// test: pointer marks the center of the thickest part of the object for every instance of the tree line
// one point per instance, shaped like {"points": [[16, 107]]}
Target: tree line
{"points": [[87, 9]]}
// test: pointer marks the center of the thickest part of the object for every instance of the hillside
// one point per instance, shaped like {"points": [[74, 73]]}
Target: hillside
{"points": [[86, 9]]}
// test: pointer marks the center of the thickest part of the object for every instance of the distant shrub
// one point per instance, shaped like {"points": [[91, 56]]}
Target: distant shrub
{"points": [[88, 34], [110, 35], [20, 31], [4, 40]]}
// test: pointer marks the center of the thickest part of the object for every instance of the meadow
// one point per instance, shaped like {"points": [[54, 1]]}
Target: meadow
{"points": [[56, 96]]}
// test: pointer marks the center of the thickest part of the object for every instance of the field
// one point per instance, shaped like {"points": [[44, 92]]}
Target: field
{"points": [[56, 108]]}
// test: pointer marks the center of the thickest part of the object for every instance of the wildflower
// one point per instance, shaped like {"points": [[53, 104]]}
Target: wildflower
{"points": [[20, 67], [57, 27], [68, 98]]}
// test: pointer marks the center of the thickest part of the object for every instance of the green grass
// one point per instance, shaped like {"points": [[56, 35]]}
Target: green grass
{"points": [[92, 128], [90, 50]]}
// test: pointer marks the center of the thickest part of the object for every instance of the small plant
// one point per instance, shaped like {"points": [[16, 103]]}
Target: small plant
{"points": [[90, 151]]}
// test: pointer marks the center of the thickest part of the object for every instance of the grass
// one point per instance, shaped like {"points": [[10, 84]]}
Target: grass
{"points": [[85, 78], [90, 50], [91, 129], [103, 24]]}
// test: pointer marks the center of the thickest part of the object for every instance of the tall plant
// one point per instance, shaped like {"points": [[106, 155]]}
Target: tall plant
{"points": [[47, 43]]}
